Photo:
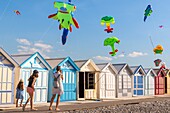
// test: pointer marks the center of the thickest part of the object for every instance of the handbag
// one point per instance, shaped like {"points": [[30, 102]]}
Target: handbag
{"points": [[56, 82]]}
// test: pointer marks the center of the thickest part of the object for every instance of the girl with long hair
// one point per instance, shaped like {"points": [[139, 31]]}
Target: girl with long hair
{"points": [[31, 89]]}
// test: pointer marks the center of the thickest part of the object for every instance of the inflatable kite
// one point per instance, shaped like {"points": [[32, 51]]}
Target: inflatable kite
{"points": [[108, 20], [161, 26], [148, 12], [17, 12], [111, 42], [65, 18], [158, 49], [157, 62]]}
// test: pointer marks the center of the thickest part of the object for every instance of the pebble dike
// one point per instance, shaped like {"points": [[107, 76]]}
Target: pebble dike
{"points": [[143, 107]]}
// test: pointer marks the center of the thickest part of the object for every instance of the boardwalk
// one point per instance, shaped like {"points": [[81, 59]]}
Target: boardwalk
{"points": [[79, 105]]}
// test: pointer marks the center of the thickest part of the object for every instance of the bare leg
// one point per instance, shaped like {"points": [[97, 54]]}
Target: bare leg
{"points": [[21, 103], [57, 103], [51, 102], [23, 107], [31, 102], [17, 103], [27, 101]]}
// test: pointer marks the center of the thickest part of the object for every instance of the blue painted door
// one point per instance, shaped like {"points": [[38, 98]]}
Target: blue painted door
{"points": [[70, 86], [138, 85]]}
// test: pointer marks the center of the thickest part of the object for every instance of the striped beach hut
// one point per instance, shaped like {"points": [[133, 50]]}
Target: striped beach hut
{"points": [[167, 82], [9, 71], [160, 81], [87, 79], [28, 63], [107, 81], [149, 82], [124, 80], [138, 80], [69, 71]]}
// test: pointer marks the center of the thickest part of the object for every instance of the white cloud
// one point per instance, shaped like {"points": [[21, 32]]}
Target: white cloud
{"points": [[23, 41], [44, 47], [30, 48], [121, 55], [136, 54], [102, 58]]}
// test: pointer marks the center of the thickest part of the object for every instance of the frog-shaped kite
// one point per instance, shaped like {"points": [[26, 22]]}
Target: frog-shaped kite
{"points": [[111, 42], [65, 18]]}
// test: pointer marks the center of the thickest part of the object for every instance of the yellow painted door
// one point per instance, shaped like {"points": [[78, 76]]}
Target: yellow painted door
{"points": [[168, 85]]}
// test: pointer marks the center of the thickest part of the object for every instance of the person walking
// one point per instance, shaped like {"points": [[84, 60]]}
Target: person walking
{"points": [[31, 89], [20, 92], [57, 88]]}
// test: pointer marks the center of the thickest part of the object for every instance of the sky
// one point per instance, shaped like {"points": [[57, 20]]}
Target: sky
{"points": [[32, 31]]}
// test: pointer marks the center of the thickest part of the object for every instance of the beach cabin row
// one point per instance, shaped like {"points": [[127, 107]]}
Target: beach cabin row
{"points": [[83, 79]]}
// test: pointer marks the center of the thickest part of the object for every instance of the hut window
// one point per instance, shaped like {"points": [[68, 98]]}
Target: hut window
{"points": [[90, 81]]}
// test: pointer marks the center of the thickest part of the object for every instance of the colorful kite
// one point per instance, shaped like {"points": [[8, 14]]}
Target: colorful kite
{"points": [[157, 62], [65, 18], [148, 12], [111, 42], [108, 20], [158, 49], [161, 26], [17, 12]]}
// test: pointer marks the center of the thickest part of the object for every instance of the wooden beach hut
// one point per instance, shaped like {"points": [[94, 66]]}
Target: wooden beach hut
{"points": [[9, 72], [69, 71], [160, 81], [29, 63], [124, 80], [138, 80], [87, 79], [107, 81], [149, 82]]}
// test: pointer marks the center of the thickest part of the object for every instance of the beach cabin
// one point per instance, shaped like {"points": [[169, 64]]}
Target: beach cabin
{"points": [[167, 82], [124, 80], [149, 82], [87, 79], [9, 71], [69, 71], [28, 63], [138, 80], [159, 81], [107, 81]]}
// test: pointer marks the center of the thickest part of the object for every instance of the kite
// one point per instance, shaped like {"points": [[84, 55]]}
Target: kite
{"points": [[163, 65], [161, 26], [17, 12], [65, 18], [108, 20], [157, 62], [158, 49], [148, 12], [111, 42]]}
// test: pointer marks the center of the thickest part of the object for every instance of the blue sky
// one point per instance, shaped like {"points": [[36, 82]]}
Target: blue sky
{"points": [[32, 31]]}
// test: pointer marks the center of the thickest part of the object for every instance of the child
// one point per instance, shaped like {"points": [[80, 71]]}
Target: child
{"points": [[20, 92]]}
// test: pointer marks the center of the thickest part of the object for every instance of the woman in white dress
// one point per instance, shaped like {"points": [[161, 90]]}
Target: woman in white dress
{"points": [[57, 88]]}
